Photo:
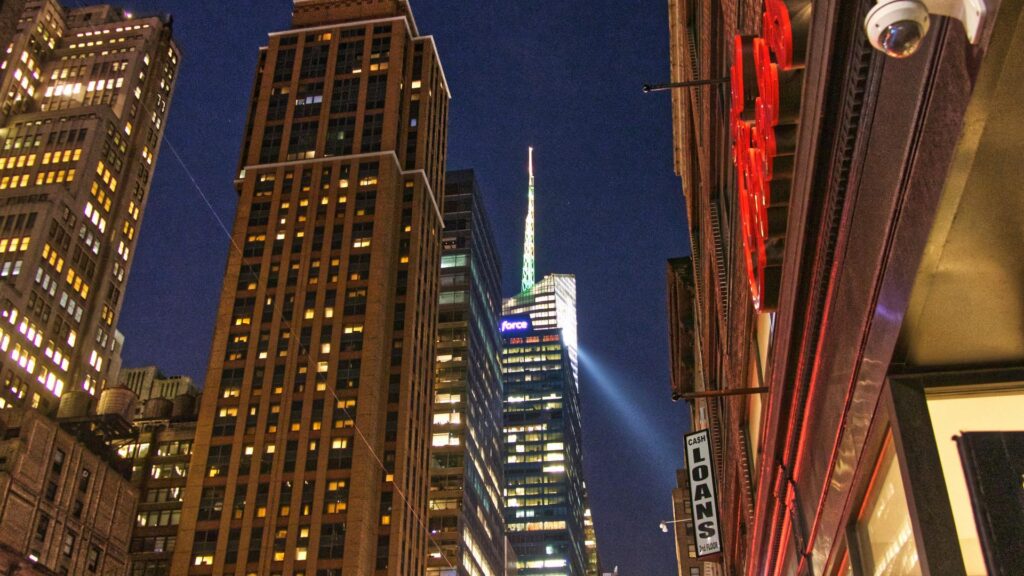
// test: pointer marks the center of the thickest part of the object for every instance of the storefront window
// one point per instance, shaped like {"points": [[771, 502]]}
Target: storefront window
{"points": [[955, 411], [885, 536], [758, 369]]}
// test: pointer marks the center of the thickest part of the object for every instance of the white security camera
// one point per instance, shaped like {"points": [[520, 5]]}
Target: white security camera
{"points": [[897, 27]]}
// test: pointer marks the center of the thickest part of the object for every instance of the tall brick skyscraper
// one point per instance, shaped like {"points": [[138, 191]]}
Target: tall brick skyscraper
{"points": [[313, 439], [84, 93]]}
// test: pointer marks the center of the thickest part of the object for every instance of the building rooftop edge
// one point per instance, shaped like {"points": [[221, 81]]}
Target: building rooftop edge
{"points": [[410, 26]]}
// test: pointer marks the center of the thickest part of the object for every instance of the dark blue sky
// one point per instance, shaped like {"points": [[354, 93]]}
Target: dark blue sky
{"points": [[563, 77]]}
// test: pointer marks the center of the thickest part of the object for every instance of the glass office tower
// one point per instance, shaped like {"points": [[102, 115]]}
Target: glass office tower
{"points": [[544, 490], [466, 515], [551, 303]]}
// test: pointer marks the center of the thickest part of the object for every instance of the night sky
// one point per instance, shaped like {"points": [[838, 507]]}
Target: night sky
{"points": [[561, 76]]}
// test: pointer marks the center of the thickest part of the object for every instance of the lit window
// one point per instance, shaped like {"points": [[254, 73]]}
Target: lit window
{"points": [[884, 530]]}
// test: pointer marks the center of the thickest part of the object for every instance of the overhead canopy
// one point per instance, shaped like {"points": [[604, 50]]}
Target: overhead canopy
{"points": [[967, 305]]}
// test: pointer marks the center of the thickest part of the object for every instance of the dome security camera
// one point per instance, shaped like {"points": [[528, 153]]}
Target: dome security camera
{"points": [[897, 27]]}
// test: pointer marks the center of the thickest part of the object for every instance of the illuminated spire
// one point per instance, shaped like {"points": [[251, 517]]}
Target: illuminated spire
{"points": [[528, 253]]}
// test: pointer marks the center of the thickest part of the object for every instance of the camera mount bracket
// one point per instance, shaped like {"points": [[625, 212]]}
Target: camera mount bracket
{"points": [[970, 12]]}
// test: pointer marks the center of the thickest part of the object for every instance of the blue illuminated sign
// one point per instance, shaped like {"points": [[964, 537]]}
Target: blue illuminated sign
{"points": [[515, 324]]}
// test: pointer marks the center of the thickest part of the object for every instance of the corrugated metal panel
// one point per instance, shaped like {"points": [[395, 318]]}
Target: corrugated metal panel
{"points": [[721, 265], [745, 471]]}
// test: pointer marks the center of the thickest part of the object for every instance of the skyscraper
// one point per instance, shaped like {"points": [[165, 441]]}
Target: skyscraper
{"points": [[544, 491], [313, 440], [84, 94], [466, 511], [545, 496], [551, 304], [590, 533]]}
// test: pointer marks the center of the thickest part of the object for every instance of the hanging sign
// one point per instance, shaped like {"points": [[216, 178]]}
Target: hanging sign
{"points": [[707, 531]]}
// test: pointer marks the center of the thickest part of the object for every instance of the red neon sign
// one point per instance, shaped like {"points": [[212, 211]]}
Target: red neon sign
{"points": [[766, 84]]}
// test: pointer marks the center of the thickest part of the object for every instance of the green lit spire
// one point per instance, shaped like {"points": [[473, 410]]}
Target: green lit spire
{"points": [[528, 254]]}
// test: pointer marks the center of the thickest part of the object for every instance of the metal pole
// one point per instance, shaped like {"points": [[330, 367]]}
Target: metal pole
{"points": [[688, 84], [720, 393]]}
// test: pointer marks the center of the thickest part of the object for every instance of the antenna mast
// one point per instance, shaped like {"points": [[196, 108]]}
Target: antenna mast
{"points": [[528, 250]]}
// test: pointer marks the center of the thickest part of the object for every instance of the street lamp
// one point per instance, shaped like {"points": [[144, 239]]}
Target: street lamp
{"points": [[664, 524]]}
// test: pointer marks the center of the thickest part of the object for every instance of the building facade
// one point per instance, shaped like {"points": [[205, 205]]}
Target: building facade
{"points": [[682, 318], [84, 94], [590, 536], [545, 497], [856, 277], [314, 427], [466, 478], [551, 304], [160, 455], [149, 383], [10, 13], [66, 503], [160, 462]]}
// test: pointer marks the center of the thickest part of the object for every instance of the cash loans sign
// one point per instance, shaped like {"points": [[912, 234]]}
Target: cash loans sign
{"points": [[707, 532]]}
